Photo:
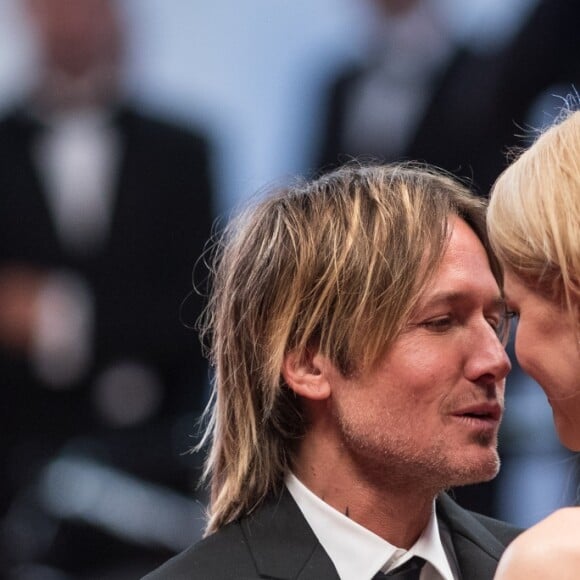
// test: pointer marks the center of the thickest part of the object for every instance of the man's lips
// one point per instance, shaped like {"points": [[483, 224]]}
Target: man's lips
{"points": [[482, 411]]}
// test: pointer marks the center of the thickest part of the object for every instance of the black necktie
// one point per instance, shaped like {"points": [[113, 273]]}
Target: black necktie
{"points": [[410, 570]]}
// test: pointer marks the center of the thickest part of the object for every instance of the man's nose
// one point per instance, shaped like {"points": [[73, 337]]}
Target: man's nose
{"points": [[487, 356]]}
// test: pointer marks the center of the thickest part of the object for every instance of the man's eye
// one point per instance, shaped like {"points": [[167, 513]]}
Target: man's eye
{"points": [[503, 326], [439, 324]]}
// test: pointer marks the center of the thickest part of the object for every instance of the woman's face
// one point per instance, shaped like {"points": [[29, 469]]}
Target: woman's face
{"points": [[547, 349]]}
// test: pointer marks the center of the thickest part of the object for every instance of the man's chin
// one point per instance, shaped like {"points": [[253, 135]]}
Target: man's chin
{"points": [[482, 472], [479, 468]]}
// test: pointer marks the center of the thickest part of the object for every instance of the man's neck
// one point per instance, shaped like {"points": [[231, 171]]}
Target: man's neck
{"points": [[58, 91], [396, 513]]}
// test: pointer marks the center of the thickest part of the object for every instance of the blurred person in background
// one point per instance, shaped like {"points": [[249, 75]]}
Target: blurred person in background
{"points": [[421, 82], [103, 212], [418, 95]]}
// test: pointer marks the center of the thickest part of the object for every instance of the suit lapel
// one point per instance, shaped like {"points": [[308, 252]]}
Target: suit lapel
{"points": [[283, 545], [24, 193], [477, 549]]}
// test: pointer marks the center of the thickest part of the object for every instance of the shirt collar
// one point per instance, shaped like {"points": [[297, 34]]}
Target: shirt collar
{"points": [[359, 553]]}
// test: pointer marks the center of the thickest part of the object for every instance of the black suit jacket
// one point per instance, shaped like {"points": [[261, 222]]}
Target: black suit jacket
{"points": [[161, 220], [276, 542]]}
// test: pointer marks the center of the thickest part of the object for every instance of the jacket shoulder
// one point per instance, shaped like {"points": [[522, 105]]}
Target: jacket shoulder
{"points": [[136, 120], [503, 531], [222, 556], [474, 526]]}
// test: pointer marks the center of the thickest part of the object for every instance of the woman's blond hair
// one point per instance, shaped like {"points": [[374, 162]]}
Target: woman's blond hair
{"points": [[534, 213], [335, 264]]}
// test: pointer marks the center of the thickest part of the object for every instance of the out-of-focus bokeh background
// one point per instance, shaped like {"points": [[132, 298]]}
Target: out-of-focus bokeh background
{"points": [[126, 128]]}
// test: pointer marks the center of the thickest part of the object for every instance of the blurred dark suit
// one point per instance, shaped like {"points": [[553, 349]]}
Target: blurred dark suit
{"points": [[475, 106], [138, 277], [450, 132]]}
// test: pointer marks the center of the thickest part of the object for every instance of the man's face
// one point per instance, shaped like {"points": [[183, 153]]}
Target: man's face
{"points": [[76, 37], [429, 410]]}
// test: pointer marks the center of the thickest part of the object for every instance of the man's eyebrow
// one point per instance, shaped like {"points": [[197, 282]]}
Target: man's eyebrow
{"points": [[457, 296]]}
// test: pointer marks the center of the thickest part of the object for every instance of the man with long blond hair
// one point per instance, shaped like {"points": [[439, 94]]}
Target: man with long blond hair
{"points": [[355, 324]]}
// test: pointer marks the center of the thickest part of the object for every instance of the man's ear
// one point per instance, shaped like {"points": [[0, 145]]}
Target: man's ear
{"points": [[304, 372]]}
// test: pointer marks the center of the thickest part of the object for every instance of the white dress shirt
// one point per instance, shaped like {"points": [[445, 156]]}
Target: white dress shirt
{"points": [[77, 157], [358, 553]]}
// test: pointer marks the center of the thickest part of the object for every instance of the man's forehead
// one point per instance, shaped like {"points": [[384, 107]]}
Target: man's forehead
{"points": [[458, 296], [464, 271]]}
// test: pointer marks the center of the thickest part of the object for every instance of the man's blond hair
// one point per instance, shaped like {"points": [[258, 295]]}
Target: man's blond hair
{"points": [[335, 265]]}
